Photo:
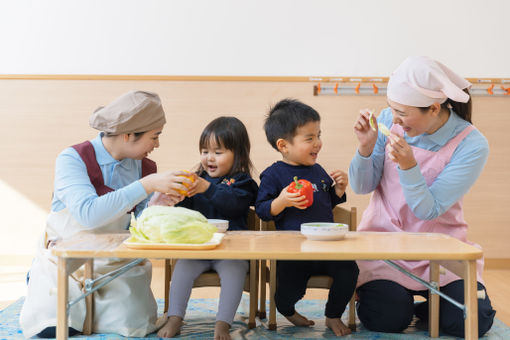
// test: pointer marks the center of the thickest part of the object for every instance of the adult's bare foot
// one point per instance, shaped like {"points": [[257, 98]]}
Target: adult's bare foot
{"points": [[171, 328], [222, 331], [337, 326], [299, 320]]}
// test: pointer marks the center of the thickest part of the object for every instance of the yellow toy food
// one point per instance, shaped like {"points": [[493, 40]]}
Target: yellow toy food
{"points": [[384, 130], [371, 120]]}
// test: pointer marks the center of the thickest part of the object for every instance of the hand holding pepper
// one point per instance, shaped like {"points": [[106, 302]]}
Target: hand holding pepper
{"points": [[303, 188], [293, 195]]}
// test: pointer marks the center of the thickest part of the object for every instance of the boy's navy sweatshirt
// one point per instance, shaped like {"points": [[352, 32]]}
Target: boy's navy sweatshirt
{"points": [[278, 176], [227, 198]]}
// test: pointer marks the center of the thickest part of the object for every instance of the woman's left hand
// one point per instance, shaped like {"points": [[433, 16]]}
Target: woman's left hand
{"points": [[400, 152]]}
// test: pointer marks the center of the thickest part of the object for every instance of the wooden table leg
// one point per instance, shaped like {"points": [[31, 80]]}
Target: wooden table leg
{"points": [[470, 301], [62, 288], [434, 301], [89, 300], [272, 289], [254, 286]]}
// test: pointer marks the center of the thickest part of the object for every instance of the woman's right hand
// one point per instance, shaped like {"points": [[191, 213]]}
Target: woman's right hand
{"points": [[366, 136], [166, 182]]}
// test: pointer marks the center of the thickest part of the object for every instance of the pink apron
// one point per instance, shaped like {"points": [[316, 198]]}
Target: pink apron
{"points": [[389, 212]]}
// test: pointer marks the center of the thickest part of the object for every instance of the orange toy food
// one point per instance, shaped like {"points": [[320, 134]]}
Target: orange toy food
{"points": [[191, 178]]}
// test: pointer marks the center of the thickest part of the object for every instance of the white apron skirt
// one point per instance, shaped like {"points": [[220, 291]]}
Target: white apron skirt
{"points": [[125, 306]]}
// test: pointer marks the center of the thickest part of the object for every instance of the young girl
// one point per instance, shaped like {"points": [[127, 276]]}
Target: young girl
{"points": [[223, 189]]}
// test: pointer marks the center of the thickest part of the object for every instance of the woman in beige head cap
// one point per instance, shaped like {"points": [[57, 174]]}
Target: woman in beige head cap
{"points": [[418, 172], [97, 184]]}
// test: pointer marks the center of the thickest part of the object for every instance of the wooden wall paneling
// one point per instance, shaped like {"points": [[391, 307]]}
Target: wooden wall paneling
{"points": [[39, 118]]}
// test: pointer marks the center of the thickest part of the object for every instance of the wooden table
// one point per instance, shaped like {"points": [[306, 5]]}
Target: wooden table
{"points": [[440, 249]]}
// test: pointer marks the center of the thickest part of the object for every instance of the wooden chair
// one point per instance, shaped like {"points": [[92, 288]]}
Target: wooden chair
{"points": [[340, 215], [212, 279]]}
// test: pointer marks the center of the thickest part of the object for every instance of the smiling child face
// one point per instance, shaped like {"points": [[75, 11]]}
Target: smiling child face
{"points": [[216, 159], [305, 145]]}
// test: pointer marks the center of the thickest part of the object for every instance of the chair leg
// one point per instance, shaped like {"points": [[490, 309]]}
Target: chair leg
{"points": [[352, 314], [263, 280], [168, 274], [272, 289], [253, 293]]}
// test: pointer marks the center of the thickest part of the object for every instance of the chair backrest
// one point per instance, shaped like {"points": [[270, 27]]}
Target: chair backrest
{"points": [[267, 225], [211, 278], [253, 221], [340, 215], [346, 216]]}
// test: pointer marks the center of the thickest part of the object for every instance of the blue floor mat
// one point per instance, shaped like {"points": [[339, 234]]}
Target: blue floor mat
{"points": [[200, 317]]}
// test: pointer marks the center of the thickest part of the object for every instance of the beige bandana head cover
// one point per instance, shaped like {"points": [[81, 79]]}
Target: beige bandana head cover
{"points": [[135, 111], [421, 81]]}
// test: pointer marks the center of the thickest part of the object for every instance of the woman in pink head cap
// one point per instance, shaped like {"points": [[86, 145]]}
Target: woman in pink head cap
{"points": [[418, 176]]}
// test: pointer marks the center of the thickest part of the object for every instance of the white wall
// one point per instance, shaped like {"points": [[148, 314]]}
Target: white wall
{"points": [[260, 37]]}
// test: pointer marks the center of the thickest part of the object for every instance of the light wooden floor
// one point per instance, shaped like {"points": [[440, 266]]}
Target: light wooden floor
{"points": [[496, 281]]}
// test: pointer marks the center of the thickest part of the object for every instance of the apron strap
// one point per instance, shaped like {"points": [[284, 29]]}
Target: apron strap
{"points": [[148, 167], [88, 155]]}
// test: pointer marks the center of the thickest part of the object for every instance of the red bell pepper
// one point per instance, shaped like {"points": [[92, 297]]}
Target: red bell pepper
{"points": [[304, 188]]}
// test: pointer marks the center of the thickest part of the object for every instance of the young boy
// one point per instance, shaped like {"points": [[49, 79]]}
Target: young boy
{"points": [[293, 129]]}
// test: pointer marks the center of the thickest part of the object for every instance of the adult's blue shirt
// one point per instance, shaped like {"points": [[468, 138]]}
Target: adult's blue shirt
{"points": [[73, 189], [426, 202]]}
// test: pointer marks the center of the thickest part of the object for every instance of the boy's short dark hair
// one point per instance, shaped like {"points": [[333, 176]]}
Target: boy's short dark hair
{"points": [[285, 117]]}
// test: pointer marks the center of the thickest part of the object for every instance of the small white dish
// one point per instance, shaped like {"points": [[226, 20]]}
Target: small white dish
{"points": [[324, 231], [222, 225]]}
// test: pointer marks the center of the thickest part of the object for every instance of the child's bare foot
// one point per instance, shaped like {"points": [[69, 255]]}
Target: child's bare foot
{"points": [[337, 326], [221, 331], [171, 328], [299, 320]]}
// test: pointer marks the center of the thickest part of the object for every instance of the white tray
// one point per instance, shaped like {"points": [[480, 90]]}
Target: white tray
{"points": [[211, 244]]}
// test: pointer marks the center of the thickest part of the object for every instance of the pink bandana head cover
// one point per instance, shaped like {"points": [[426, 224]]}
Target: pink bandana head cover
{"points": [[421, 81]]}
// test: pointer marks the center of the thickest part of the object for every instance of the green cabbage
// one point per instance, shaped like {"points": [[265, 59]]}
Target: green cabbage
{"points": [[162, 224]]}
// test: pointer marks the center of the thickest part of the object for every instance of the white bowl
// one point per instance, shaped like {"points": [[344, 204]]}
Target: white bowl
{"points": [[222, 225], [324, 231]]}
